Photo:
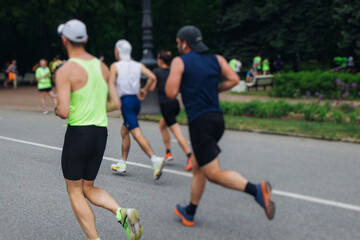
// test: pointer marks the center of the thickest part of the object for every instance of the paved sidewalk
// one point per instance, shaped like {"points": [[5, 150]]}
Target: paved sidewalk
{"points": [[28, 98]]}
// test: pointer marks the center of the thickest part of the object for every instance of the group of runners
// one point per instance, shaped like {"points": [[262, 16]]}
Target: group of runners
{"points": [[87, 90]]}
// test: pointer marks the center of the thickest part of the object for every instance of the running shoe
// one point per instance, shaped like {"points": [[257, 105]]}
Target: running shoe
{"points": [[119, 167], [130, 221], [158, 166], [264, 198], [45, 112], [169, 157], [189, 164], [186, 219]]}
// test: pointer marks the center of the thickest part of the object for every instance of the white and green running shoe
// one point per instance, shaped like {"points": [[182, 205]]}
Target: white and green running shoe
{"points": [[119, 167], [158, 166], [129, 218]]}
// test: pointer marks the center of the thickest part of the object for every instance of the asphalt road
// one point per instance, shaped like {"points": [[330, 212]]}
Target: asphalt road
{"points": [[316, 186]]}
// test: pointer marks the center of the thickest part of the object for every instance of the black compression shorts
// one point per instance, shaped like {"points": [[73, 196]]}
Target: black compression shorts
{"points": [[45, 89], [83, 152], [169, 111], [205, 132]]}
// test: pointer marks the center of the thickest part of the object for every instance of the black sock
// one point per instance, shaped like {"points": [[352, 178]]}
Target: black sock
{"points": [[188, 155], [168, 151], [191, 209], [251, 189]]}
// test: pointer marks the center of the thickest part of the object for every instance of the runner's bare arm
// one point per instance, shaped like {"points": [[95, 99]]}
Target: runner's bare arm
{"points": [[230, 77], [113, 102], [63, 89], [150, 83], [173, 82]]}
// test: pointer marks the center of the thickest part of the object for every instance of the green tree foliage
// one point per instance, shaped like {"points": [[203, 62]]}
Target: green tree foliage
{"points": [[347, 14], [277, 26], [309, 29]]}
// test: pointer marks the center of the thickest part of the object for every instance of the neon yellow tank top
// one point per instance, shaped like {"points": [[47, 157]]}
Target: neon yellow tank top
{"points": [[88, 104]]}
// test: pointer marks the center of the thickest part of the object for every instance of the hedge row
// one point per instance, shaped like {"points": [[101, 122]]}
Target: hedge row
{"points": [[323, 85], [306, 111]]}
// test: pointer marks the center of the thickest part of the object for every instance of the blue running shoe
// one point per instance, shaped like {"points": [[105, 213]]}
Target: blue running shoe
{"points": [[187, 220], [264, 198]]}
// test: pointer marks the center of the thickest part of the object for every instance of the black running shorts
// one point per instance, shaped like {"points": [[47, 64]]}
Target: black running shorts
{"points": [[205, 133], [83, 152], [45, 89], [169, 111]]}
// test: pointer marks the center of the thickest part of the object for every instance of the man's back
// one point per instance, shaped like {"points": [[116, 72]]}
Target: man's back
{"points": [[199, 85], [128, 77], [89, 91]]}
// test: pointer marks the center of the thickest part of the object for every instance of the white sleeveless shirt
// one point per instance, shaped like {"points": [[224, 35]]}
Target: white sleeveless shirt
{"points": [[128, 77]]}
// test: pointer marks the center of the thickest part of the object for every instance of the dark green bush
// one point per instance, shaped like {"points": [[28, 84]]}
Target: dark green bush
{"points": [[326, 85], [309, 111], [338, 117]]}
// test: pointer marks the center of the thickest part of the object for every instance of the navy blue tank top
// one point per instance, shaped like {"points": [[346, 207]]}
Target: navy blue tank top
{"points": [[199, 84]]}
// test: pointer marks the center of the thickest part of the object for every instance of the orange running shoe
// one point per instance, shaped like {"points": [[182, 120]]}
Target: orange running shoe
{"points": [[187, 220], [264, 198], [189, 164], [168, 157]]}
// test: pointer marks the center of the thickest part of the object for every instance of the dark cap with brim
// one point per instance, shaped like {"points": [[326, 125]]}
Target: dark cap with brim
{"points": [[193, 36]]}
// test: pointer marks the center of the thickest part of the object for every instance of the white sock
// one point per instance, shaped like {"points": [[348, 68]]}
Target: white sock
{"points": [[153, 158]]}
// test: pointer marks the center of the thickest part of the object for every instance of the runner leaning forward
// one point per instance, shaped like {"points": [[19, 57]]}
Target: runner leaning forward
{"points": [[198, 75], [169, 108], [83, 89], [126, 75]]}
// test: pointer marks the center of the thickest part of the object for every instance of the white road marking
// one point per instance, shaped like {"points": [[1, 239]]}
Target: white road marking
{"points": [[174, 140], [185, 174]]}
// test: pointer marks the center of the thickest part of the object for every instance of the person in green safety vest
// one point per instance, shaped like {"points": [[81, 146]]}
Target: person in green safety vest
{"points": [[337, 60], [344, 61], [266, 66], [258, 60], [43, 79], [232, 63]]}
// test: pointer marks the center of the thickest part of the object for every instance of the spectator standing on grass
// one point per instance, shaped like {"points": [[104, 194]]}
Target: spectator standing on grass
{"points": [[344, 62], [258, 60], [236, 65], [337, 61], [266, 66], [232, 63], [12, 70], [350, 64], [278, 64], [43, 78], [252, 72]]}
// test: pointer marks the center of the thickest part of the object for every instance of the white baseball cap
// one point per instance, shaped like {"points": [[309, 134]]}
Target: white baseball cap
{"points": [[74, 30], [124, 48]]}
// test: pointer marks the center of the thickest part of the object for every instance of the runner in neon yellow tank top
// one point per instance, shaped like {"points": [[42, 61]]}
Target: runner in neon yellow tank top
{"points": [[42, 76], [86, 104], [83, 90]]}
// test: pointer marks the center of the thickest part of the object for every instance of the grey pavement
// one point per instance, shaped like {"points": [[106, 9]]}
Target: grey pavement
{"points": [[34, 203]]}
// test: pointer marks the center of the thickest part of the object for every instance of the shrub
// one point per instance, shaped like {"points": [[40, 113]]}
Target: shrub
{"points": [[338, 117], [327, 85], [310, 111]]}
